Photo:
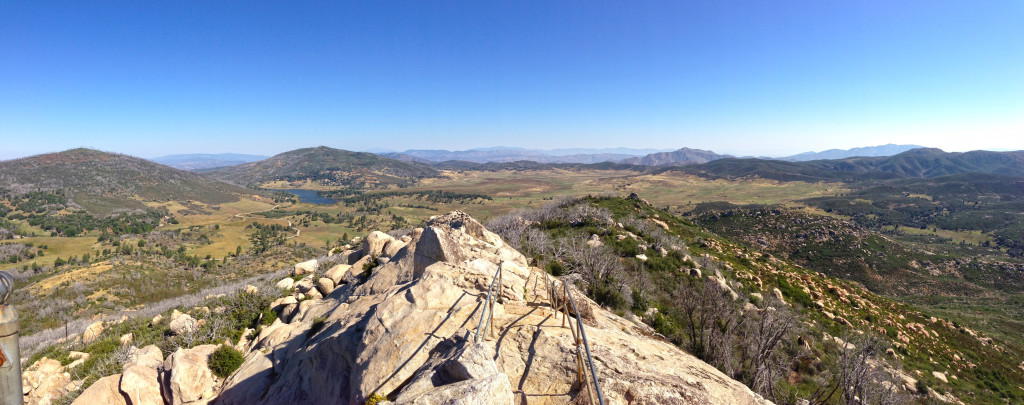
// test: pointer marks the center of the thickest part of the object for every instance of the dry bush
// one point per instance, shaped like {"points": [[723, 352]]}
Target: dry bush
{"points": [[30, 344]]}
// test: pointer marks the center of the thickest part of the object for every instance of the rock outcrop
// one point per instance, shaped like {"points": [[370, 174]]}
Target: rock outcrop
{"points": [[185, 376], [45, 381], [103, 391], [182, 323], [92, 332], [149, 356], [141, 385], [404, 330]]}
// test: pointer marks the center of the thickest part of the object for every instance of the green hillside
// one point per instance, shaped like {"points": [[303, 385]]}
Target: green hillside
{"points": [[916, 163], [774, 321], [325, 165], [102, 182]]}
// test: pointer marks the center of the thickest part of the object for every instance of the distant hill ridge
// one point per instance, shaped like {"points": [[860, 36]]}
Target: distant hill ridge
{"points": [[320, 163], [198, 161], [866, 151], [684, 156], [916, 163], [103, 181], [506, 154]]}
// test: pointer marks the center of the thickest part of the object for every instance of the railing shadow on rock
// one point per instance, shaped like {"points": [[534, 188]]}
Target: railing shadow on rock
{"points": [[560, 302]]}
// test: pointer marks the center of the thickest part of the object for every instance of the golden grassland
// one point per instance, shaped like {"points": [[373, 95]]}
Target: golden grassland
{"points": [[972, 237], [80, 274], [509, 189], [672, 189], [57, 247]]}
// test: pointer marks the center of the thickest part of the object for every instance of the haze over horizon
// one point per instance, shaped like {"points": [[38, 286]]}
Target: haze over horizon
{"points": [[746, 78]]}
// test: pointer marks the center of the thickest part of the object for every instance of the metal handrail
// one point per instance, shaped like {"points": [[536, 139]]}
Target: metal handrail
{"points": [[558, 305], [489, 304], [586, 345]]}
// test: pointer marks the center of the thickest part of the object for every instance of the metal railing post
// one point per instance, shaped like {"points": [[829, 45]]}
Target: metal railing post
{"points": [[586, 345], [488, 304], [10, 352]]}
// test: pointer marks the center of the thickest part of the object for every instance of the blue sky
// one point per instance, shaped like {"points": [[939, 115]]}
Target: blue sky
{"points": [[743, 77]]}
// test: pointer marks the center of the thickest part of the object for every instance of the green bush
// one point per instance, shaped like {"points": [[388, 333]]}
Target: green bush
{"points": [[794, 293], [607, 295], [368, 267], [318, 325], [555, 268], [225, 361]]}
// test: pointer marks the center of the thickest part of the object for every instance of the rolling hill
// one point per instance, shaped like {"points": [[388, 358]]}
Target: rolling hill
{"points": [[872, 151], [103, 182], [504, 154], [681, 157], [916, 163], [328, 165]]}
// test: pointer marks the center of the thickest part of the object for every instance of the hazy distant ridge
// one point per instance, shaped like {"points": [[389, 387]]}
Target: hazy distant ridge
{"points": [[915, 163], [681, 157], [197, 161], [866, 151], [506, 154]]}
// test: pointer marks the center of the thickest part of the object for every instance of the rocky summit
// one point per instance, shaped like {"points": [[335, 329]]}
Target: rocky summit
{"points": [[397, 324]]}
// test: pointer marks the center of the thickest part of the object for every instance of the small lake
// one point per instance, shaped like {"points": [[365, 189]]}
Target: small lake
{"points": [[309, 196]]}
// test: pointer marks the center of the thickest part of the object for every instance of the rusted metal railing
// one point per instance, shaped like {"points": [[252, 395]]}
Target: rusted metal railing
{"points": [[580, 337], [488, 310], [560, 303]]}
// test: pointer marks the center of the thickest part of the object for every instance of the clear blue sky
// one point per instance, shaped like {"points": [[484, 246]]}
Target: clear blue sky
{"points": [[151, 78]]}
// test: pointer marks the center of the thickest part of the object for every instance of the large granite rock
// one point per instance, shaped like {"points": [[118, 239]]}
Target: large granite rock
{"points": [[182, 324], [141, 385], [306, 267], [185, 376], [44, 381], [103, 391], [404, 332], [92, 332], [375, 243], [148, 356]]}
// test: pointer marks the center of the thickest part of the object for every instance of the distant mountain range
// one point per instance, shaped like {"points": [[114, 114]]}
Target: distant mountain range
{"points": [[104, 182], [321, 163], [643, 157], [915, 163], [205, 161], [633, 156], [681, 157], [867, 151], [505, 154]]}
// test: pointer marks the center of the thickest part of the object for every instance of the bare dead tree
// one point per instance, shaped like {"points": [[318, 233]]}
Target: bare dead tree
{"points": [[857, 379], [759, 353]]}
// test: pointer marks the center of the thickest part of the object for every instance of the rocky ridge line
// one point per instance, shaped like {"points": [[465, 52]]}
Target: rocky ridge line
{"points": [[396, 321]]}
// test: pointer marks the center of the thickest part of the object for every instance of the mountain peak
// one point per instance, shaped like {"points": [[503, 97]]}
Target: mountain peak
{"points": [[683, 156], [409, 327], [889, 149], [321, 163]]}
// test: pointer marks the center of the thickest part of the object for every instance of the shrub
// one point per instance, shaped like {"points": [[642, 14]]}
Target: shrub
{"points": [[608, 296], [318, 325], [368, 267], [375, 399], [225, 360], [555, 268], [794, 293], [921, 387]]}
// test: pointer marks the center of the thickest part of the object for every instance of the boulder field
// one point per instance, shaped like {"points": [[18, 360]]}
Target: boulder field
{"points": [[396, 324]]}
